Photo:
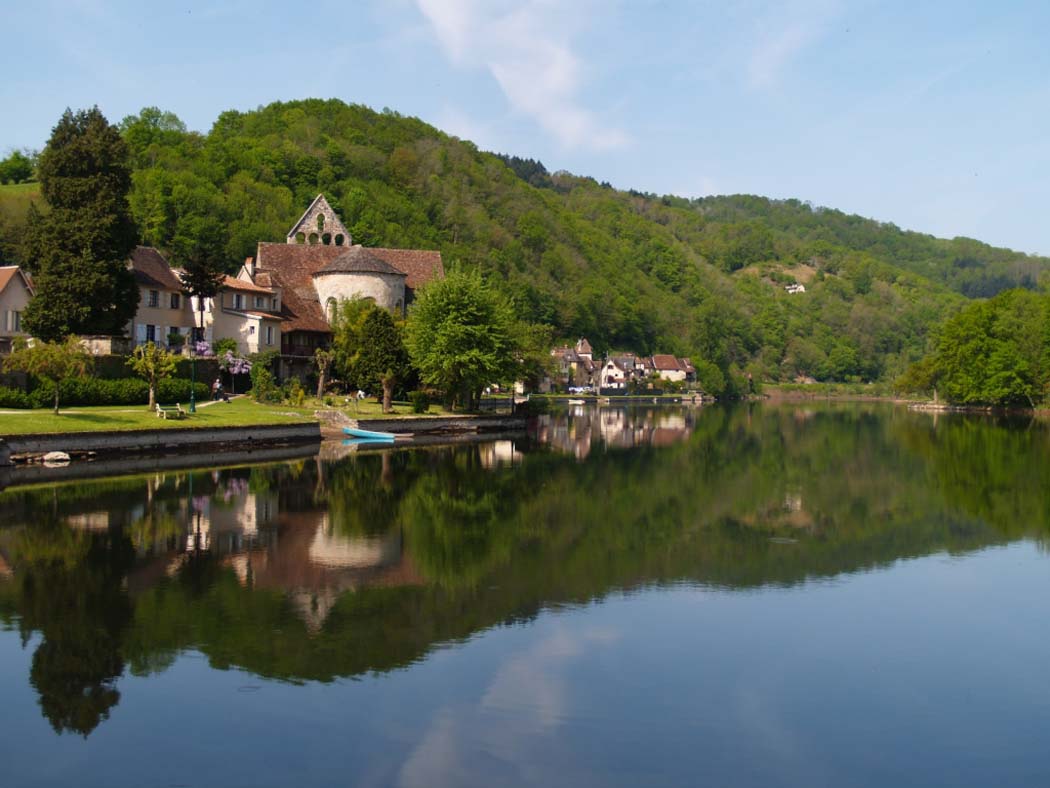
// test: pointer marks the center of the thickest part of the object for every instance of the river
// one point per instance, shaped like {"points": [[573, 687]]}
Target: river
{"points": [[766, 595]]}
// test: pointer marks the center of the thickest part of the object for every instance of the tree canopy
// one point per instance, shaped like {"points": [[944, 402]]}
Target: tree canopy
{"points": [[78, 250], [463, 336]]}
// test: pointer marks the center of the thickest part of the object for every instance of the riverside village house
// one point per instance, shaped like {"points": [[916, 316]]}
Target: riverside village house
{"points": [[284, 297], [575, 368], [16, 289]]}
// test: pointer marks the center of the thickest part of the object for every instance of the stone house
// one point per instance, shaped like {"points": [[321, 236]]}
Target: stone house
{"points": [[669, 367], [318, 266], [16, 288]]}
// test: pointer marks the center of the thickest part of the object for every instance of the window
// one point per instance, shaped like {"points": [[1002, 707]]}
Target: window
{"points": [[238, 301], [14, 321], [259, 302], [269, 335], [151, 331], [153, 299], [251, 331], [176, 301], [273, 304]]}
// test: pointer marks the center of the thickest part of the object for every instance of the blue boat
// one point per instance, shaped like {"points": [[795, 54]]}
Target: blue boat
{"points": [[354, 432]]}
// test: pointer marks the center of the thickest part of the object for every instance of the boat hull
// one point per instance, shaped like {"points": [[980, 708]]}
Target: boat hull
{"points": [[354, 432]]}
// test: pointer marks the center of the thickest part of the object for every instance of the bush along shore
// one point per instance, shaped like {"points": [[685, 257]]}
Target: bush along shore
{"points": [[97, 391]]}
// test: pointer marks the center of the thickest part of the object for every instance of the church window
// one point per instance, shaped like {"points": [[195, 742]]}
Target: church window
{"points": [[339, 239], [330, 309], [300, 238], [313, 238], [326, 239], [320, 222]]}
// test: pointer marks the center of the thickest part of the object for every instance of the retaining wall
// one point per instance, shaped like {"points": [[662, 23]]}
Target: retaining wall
{"points": [[429, 424], [211, 439]]}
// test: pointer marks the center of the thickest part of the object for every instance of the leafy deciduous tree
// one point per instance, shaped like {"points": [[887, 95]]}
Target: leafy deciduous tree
{"points": [[53, 362], [153, 363]]}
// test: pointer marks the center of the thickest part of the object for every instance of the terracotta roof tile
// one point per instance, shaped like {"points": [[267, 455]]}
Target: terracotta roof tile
{"points": [[666, 361], [421, 265], [152, 270], [292, 266], [233, 283], [9, 272]]}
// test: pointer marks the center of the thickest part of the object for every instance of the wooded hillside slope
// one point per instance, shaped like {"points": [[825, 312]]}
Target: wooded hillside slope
{"points": [[703, 278]]}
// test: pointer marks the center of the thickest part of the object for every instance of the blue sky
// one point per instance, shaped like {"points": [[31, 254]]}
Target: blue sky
{"points": [[932, 115]]}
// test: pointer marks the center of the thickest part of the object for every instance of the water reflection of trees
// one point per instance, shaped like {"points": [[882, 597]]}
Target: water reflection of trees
{"points": [[431, 546]]}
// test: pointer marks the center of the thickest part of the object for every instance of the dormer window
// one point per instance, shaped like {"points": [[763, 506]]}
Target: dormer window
{"points": [[238, 301]]}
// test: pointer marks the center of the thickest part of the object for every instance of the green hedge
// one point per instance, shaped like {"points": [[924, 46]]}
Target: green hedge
{"points": [[94, 391]]}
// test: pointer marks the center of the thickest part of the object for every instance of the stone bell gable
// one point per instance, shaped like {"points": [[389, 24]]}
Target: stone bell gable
{"points": [[319, 225]]}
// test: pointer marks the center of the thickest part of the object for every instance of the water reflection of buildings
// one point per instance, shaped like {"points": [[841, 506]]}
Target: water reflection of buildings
{"points": [[582, 428], [302, 553]]}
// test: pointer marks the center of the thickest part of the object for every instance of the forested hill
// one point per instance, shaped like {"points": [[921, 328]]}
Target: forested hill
{"points": [[629, 271]]}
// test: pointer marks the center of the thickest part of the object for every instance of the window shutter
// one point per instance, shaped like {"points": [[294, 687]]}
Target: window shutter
{"points": [[140, 333]]}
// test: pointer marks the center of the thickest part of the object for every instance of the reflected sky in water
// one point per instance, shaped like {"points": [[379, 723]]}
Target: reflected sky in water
{"points": [[846, 595]]}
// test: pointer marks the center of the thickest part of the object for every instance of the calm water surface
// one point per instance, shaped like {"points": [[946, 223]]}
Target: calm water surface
{"points": [[767, 596]]}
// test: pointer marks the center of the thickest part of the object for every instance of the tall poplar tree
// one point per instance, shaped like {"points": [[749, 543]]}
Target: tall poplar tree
{"points": [[78, 249]]}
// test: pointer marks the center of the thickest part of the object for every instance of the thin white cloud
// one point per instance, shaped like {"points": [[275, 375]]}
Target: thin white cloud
{"points": [[526, 48], [783, 35]]}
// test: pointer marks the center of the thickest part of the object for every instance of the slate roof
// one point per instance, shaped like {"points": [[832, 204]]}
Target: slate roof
{"points": [[358, 260], [152, 270]]}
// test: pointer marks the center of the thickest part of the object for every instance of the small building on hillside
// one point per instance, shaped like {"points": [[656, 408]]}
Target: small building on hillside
{"points": [[669, 367], [16, 288]]}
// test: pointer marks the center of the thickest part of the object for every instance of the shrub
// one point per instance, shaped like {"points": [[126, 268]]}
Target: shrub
{"points": [[294, 394], [264, 387], [124, 391], [420, 401], [14, 398]]}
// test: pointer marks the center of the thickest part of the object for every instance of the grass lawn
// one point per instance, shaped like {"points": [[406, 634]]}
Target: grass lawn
{"points": [[370, 409], [238, 413]]}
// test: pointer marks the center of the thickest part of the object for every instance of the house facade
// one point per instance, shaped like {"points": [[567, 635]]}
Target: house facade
{"points": [[164, 308], [16, 288]]}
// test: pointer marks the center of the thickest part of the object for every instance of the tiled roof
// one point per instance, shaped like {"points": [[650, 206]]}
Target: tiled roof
{"points": [[152, 270], [420, 265], [666, 361], [358, 260], [9, 272], [233, 283], [292, 266]]}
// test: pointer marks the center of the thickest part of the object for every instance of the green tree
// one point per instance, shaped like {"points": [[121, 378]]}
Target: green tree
{"points": [[78, 250], [153, 363], [52, 362], [16, 168], [323, 359], [347, 322], [462, 336], [382, 361]]}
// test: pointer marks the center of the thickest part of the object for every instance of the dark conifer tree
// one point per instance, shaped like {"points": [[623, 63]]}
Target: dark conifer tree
{"points": [[78, 249]]}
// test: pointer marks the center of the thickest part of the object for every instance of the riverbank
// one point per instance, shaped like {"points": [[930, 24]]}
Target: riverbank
{"points": [[239, 412]]}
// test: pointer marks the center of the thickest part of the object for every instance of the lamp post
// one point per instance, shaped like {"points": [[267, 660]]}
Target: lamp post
{"points": [[193, 375]]}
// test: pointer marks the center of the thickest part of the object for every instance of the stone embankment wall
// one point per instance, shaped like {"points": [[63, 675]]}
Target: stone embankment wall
{"points": [[443, 424], [213, 439]]}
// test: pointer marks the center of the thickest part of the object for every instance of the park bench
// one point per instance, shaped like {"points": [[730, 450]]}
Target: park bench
{"points": [[170, 411]]}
